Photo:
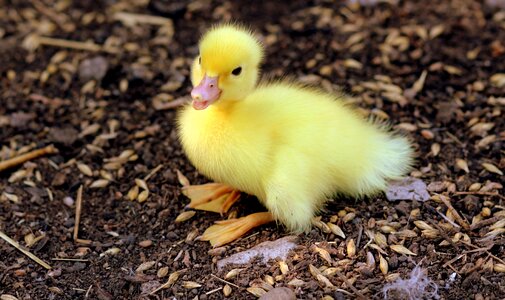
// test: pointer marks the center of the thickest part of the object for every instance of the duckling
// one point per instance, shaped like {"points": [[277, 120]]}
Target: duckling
{"points": [[291, 146]]}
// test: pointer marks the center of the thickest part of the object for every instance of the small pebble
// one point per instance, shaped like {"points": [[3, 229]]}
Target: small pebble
{"points": [[93, 68], [68, 201], [280, 293], [145, 243]]}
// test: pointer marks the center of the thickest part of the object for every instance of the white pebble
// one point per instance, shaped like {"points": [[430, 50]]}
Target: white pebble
{"points": [[68, 201]]}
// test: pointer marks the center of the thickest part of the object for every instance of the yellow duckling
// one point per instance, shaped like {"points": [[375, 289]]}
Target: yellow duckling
{"points": [[291, 146]]}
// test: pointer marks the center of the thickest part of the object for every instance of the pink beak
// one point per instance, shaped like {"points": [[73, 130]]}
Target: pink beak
{"points": [[205, 93]]}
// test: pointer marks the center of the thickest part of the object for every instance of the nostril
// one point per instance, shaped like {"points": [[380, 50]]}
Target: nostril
{"points": [[211, 85], [197, 96]]}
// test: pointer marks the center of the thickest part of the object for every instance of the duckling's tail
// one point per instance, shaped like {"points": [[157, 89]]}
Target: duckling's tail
{"points": [[392, 156]]}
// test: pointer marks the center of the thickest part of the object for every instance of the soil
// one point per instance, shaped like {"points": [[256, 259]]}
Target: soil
{"points": [[121, 94]]}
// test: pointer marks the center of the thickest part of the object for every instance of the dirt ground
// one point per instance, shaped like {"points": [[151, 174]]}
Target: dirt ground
{"points": [[435, 69]]}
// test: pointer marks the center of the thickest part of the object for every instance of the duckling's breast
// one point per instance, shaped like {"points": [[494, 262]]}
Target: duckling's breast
{"points": [[224, 149]]}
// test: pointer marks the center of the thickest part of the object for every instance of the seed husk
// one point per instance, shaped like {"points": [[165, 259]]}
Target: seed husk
{"points": [[500, 268], [351, 248], [143, 196], [190, 285], [184, 216], [422, 225], [227, 290], [145, 266], [461, 164], [162, 272], [402, 250], [336, 230], [85, 169], [133, 193], [492, 168], [383, 265], [141, 183], [100, 183], [232, 273], [283, 267], [256, 291]]}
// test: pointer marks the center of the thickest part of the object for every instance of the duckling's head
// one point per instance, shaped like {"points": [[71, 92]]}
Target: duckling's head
{"points": [[227, 67]]}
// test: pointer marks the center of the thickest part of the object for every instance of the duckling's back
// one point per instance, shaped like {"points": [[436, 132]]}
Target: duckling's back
{"points": [[317, 134]]}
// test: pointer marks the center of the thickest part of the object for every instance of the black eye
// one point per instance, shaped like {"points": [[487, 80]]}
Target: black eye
{"points": [[199, 59], [237, 71]]}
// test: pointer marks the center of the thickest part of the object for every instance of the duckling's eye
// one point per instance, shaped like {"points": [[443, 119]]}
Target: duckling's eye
{"points": [[199, 59], [237, 71]]}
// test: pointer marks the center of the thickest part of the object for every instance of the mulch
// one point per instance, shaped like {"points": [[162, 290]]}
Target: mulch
{"points": [[102, 83]]}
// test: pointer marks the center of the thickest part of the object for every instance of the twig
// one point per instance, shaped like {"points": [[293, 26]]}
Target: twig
{"points": [[455, 213], [454, 138], [485, 222], [480, 194], [213, 291], [88, 46], [360, 233], [88, 291], [453, 260], [355, 290], [227, 282], [170, 282], [70, 259], [59, 19], [153, 172], [478, 250], [158, 105], [33, 41], [344, 292], [495, 257], [12, 162], [443, 234], [78, 209], [130, 19], [26, 252], [447, 219], [249, 236]]}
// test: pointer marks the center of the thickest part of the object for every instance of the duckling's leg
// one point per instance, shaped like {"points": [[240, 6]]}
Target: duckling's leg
{"points": [[226, 231]]}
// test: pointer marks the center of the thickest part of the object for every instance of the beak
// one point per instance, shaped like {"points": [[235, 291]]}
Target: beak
{"points": [[205, 93]]}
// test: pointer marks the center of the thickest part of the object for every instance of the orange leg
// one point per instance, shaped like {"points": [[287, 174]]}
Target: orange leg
{"points": [[224, 232], [213, 197]]}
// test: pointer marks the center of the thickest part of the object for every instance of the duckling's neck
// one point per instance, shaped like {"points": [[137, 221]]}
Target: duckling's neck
{"points": [[224, 106]]}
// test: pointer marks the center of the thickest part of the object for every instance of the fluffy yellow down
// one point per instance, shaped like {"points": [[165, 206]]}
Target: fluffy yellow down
{"points": [[291, 146]]}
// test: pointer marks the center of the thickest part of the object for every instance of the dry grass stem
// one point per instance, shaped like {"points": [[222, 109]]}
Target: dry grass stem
{"points": [[225, 281], [18, 160], [26, 252], [78, 209], [76, 45], [70, 259], [348, 284], [153, 172], [455, 213], [130, 19]]}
